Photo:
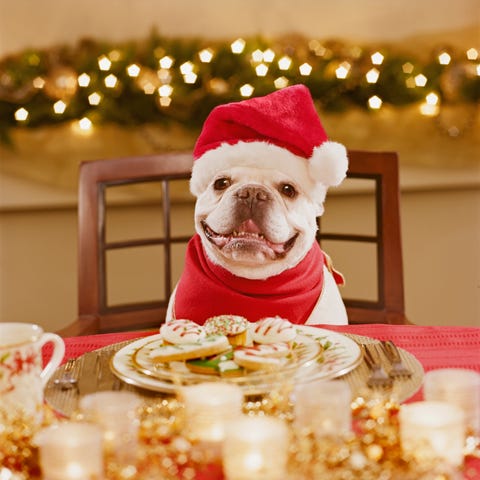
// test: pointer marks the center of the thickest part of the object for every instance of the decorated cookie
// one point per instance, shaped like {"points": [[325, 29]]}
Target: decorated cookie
{"points": [[262, 357], [182, 331], [273, 330], [221, 364], [204, 347], [233, 326]]}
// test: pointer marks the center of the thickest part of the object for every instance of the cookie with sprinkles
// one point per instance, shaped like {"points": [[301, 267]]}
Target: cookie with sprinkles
{"points": [[234, 327]]}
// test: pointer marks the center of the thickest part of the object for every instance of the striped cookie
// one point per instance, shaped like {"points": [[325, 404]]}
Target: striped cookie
{"points": [[273, 330], [262, 357], [182, 331]]}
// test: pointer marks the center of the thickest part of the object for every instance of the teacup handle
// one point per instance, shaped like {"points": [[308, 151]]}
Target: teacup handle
{"points": [[56, 358]]}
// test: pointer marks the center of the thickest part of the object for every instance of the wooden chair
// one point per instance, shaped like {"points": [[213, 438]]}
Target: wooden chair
{"points": [[96, 315]]}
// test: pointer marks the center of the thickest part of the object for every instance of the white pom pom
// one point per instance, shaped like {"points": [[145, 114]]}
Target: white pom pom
{"points": [[329, 163]]}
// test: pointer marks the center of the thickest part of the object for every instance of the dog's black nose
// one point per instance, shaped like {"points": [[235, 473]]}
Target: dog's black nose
{"points": [[253, 194]]}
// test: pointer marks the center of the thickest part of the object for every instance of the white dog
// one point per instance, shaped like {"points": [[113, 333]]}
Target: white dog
{"points": [[261, 172]]}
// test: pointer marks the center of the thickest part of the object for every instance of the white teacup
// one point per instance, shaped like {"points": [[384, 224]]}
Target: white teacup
{"points": [[22, 376]]}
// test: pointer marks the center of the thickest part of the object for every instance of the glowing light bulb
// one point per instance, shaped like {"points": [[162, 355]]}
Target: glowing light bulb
{"points": [[38, 82], [85, 124], [186, 67], [261, 70], [246, 90], [94, 98], [104, 63], [268, 55], [280, 82], [165, 90], [21, 115], [472, 53], [407, 67], [59, 107], [164, 101], [372, 75], [111, 81], [133, 70], [377, 58], [206, 55], [429, 110], [343, 70], [420, 80], [375, 102], [164, 75], [190, 78], [432, 98], [149, 88], [257, 56], [166, 62], [83, 80], [444, 58], [305, 69], [284, 63], [238, 46]]}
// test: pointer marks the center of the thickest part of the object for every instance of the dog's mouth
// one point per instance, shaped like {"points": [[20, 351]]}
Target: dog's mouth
{"points": [[248, 237]]}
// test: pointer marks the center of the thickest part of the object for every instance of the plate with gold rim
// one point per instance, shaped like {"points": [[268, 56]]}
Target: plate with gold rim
{"points": [[336, 355]]}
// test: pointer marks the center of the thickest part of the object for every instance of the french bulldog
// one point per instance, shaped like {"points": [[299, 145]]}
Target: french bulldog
{"points": [[255, 253]]}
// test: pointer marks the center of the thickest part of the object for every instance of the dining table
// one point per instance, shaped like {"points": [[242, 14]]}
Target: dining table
{"points": [[435, 347]]}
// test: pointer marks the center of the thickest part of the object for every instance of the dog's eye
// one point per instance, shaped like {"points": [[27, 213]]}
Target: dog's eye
{"points": [[221, 183], [288, 190]]}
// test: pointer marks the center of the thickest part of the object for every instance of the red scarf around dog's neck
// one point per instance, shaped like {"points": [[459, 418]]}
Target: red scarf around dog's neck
{"points": [[206, 289]]}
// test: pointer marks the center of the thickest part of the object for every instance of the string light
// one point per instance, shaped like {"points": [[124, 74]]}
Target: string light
{"points": [[268, 55], [94, 98], [85, 124], [38, 82], [281, 82], [164, 75], [407, 67], [410, 82], [372, 75], [21, 115], [111, 81], [377, 58], [164, 102], [165, 90], [115, 55], [472, 53], [305, 69], [59, 107], [206, 55], [186, 68], [284, 63], [343, 70], [166, 62], [133, 70], [430, 108], [246, 90], [190, 77], [104, 63], [83, 80], [444, 58], [257, 55], [238, 46], [420, 80], [261, 70], [375, 102]]}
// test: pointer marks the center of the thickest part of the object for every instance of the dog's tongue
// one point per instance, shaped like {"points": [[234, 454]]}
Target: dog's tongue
{"points": [[248, 226]]}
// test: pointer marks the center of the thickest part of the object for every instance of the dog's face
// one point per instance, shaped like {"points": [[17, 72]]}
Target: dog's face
{"points": [[255, 222]]}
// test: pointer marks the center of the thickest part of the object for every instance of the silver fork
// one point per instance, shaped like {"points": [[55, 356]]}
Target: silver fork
{"points": [[67, 380], [398, 368], [378, 377]]}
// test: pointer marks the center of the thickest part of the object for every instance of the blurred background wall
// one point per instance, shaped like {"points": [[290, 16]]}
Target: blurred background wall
{"points": [[440, 172]]}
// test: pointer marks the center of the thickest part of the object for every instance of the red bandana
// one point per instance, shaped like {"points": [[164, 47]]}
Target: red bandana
{"points": [[206, 289]]}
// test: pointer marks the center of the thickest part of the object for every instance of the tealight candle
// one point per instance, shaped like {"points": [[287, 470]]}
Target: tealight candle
{"points": [[255, 447], [457, 386], [116, 413], [323, 407], [433, 429], [208, 406], [71, 451]]}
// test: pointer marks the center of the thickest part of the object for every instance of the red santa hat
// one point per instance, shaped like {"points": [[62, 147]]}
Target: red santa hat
{"points": [[280, 131]]}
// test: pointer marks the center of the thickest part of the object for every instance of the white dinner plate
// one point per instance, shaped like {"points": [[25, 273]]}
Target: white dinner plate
{"points": [[337, 356]]}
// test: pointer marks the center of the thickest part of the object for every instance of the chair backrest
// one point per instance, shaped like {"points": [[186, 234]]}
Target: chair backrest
{"points": [[95, 177]]}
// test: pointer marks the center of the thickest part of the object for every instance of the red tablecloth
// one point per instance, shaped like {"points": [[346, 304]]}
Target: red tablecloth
{"points": [[435, 347]]}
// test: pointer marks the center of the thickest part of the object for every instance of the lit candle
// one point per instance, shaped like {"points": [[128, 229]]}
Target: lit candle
{"points": [[70, 451], [208, 406], [458, 386], [433, 430], [323, 407], [117, 414], [255, 447]]}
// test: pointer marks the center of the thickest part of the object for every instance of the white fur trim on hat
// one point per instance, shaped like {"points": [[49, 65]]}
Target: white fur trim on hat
{"points": [[329, 163]]}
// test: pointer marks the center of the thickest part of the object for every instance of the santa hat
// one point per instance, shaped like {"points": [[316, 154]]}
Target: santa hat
{"points": [[281, 131]]}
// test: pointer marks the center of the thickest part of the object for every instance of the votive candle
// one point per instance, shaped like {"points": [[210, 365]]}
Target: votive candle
{"points": [[208, 406], [433, 429], [71, 451], [255, 447]]}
